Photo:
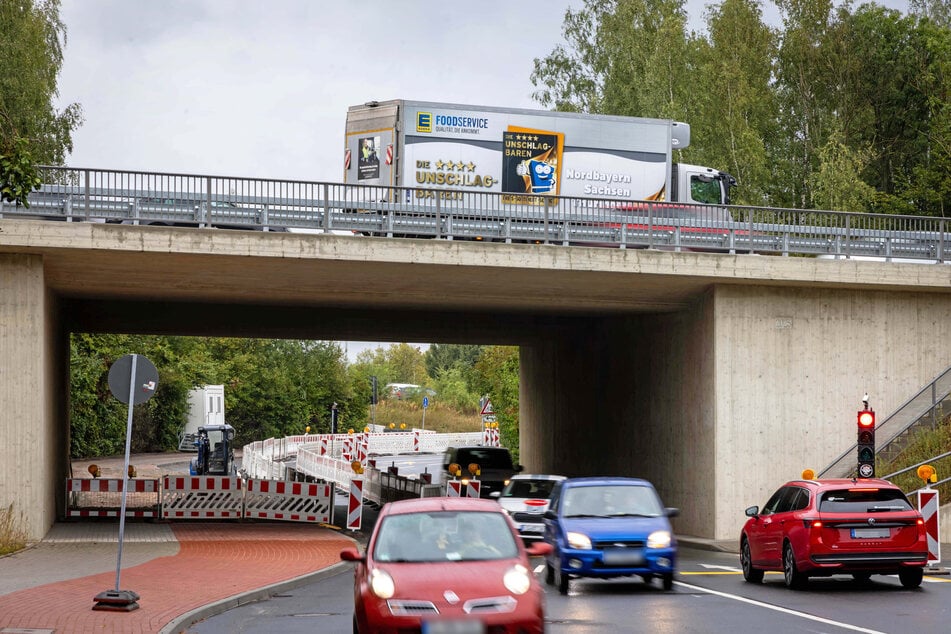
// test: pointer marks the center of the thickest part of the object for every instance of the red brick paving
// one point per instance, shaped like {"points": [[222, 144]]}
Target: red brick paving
{"points": [[215, 561]]}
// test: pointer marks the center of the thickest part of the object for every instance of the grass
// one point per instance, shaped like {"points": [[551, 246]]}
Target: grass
{"points": [[13, 536], [439, 418], [924, 446]]}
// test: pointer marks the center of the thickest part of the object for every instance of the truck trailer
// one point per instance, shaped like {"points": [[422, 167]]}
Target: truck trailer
{"points": [[438, 149]]}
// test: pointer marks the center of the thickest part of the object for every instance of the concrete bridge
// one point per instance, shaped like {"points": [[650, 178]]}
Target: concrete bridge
{"points": [[716, 376]]}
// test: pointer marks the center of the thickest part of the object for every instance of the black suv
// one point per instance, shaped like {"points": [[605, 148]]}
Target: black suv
{"points": [[495, 463]]}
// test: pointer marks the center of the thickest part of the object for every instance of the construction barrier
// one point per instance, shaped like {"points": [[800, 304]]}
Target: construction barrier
{"points": [[474, 489], [928, 506], [202, 497], [102, 497], [355, 504], [453, 489], [289, 501]]}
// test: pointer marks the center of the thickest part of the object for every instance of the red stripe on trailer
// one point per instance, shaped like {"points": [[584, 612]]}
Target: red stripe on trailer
{"points": [[928, 506]]}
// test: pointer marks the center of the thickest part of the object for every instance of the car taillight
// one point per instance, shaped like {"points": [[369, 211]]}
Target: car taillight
{"points": [[811, 523], [536, 502]]}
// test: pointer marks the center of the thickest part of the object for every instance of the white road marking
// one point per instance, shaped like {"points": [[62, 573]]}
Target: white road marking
{"points": [[776, 608], [729, 568]]}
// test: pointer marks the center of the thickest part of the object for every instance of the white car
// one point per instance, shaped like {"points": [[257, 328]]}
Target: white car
{"points": [[525, 498]]}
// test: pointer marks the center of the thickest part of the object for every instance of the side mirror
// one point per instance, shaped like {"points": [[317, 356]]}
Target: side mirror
{"points": [[550, 515], [671, 511], [495, 494], [351, 554], [539, 549], [752, 511]]}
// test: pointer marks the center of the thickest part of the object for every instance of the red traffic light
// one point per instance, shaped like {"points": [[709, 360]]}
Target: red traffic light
{"points": [[866, 418]]}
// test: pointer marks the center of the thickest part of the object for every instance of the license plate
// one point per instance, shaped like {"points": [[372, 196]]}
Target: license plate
{"points": [[623, 557], [530, 528], [453, 627], [870, 533]]}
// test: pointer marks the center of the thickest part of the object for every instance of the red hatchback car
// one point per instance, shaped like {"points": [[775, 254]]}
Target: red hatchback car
{"points": [[818, 528], [441, 565]]}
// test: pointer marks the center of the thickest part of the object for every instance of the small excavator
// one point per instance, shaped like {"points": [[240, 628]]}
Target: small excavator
{"points": [[215, 451]]}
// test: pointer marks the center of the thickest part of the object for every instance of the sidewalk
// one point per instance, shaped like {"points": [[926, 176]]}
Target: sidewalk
{"points": [[182, 572]]}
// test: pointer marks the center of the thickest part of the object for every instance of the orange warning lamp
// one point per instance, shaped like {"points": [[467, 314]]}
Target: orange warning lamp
{"points": [[927, 473], [357, 467], [94, 470], [808, 474], [455, 470], [474, 469]]}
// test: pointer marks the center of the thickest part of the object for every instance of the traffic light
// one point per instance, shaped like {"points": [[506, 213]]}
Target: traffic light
{"points": [[866, 443]]}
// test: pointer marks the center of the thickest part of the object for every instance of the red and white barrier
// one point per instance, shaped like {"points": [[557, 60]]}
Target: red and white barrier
{"points": [[102, 497], [474, 489], [355, 504], [928, 506], [202, 497], [288, 501], [454, 488]]}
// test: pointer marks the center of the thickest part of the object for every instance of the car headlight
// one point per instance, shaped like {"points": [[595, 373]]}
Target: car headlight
{"points": [[517, 579], [659, 539], [381, 583], [579, 541]]}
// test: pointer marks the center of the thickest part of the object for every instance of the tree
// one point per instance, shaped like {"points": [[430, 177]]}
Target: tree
{"points": [[938, 11], [736, 108], [497, 374], [623, 57], [31, 130]]}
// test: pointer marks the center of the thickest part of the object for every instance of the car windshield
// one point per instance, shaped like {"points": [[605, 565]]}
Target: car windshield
{"points": [[863, 500], [616, 500], [526, 488], [444, 536]]}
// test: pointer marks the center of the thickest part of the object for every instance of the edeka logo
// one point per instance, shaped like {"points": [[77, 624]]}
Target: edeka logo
{"points": [[424, 122]]}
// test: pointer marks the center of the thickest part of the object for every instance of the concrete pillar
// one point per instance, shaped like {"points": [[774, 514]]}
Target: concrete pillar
{"points": [[31, 393]]}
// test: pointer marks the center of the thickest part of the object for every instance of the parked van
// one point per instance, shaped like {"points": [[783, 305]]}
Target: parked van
{"points": [[495, 463]]}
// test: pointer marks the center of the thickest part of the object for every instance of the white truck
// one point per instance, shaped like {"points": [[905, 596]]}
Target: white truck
{"points": [[206, 406], [439, 146]]}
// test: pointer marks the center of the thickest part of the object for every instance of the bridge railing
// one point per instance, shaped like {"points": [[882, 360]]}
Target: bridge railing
{"points": [[96, 195]]}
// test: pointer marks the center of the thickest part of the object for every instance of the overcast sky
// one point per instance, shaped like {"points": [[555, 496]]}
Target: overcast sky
{"points": [[261, 89]]}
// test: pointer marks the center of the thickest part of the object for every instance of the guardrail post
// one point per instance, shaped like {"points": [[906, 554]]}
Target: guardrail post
{"points": [[86, 192], [439, 220], [326, 222], [942, 231]]}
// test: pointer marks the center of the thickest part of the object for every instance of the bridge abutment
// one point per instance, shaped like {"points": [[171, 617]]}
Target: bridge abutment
{"points": [[33, 396]]}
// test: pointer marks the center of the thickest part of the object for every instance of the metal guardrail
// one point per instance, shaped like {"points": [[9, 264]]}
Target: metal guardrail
{"points": [[96, 195]]}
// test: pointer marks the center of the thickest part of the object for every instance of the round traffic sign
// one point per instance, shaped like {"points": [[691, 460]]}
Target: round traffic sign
{"points": [[145, 379], [866, 470]]}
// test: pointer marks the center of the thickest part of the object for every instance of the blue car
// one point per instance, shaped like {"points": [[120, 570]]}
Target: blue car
{"points": [[608, 527]]}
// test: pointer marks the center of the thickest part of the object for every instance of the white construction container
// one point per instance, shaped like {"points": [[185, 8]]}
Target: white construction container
{"points": [[206, 406]]}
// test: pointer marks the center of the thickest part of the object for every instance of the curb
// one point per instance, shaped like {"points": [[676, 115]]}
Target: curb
{"points": [[180, 624]]}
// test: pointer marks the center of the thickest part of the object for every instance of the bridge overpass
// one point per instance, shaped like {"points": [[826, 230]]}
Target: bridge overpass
{"points": [[714, 375]]}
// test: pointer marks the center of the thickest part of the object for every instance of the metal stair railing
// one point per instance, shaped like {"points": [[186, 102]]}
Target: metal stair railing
{"points": [[924, 408]]}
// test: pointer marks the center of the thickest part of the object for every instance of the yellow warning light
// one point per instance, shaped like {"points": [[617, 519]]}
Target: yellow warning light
{"points": [[132, 471], [307, 429], [808, 474], [474, 469], [927, 473], [357, 467], [455, 469], [392, 425], [402, 425], [366, 430], [94, 470], [350, 431]]}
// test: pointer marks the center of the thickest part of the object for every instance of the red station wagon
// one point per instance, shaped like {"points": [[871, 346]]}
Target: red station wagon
{"points": [[818, 528]]}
